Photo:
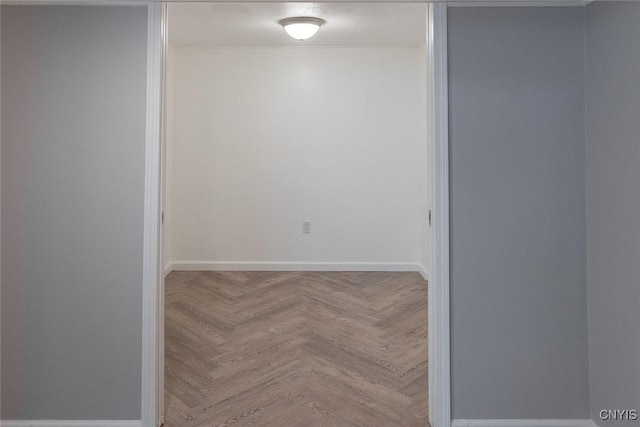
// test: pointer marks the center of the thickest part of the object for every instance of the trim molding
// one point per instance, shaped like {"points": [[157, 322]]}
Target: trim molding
{"points": [[439, 339], [0, 238], [292, 266], [452, 3], [151, 254], [519, 3], [70, 423], [523, 423], [423, 272], [470, 3]]}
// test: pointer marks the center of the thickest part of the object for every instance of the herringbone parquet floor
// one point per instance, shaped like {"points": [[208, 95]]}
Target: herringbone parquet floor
{"points": [[296, 349]]}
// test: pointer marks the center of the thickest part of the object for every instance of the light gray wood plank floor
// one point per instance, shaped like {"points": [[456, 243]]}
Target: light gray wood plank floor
{"points": [[296, 349]]}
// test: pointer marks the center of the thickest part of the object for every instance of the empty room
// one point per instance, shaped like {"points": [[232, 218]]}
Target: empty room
{"points": [[296, 215]]}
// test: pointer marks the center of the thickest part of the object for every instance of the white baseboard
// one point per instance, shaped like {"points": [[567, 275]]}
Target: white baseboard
{"points": [[167, 269], [70, 423], [523, 423], [292, 266], [423, 272]]}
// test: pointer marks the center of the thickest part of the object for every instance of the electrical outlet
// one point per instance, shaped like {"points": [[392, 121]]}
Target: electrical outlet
{"points": [[306, 227]]}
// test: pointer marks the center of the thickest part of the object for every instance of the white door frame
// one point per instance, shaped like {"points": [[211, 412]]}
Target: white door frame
{"points": [[152, 300], [439, 316], [151, 275]]}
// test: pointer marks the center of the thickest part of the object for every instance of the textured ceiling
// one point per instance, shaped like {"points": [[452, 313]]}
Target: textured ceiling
{"points": [[256, 24]]}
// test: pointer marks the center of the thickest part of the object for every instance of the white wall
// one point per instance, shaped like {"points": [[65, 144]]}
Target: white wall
{"points": [[427, 186], [265, 138], [167, 170]]}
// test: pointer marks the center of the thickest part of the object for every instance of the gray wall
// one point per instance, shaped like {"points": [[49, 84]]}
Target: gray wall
{"points": [[519, 321], [613, 205], [73, 134]]}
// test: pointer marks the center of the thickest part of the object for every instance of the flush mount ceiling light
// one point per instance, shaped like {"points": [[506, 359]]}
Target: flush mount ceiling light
{"points": [[301, 27]]}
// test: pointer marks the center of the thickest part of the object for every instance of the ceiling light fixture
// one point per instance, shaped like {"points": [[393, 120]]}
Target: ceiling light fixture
{"points": [[301, 27]]}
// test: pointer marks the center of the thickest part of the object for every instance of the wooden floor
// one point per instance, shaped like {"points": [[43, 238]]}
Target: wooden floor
{"points": [[296, 349]]}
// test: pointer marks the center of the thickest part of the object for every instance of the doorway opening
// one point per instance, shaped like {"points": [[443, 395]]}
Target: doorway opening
{"points": [[296, 216]]}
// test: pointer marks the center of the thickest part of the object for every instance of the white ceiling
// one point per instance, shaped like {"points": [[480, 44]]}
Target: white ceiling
{"points": [[256, 24]]}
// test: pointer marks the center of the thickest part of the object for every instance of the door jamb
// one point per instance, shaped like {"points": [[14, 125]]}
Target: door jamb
{"points": [[439, 307], [151, 244]]}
